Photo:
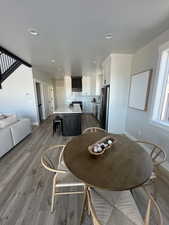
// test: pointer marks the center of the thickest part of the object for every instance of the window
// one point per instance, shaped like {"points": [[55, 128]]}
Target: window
{"points": [[161, 106]]}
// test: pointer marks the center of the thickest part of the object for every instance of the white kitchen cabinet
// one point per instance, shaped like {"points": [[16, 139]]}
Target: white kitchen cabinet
{"points": [[106, 69], [84, 106], [99, 82], [91, 85], [94, 109], [86, 86], [120, 71], [68, 86], [87, 105]]}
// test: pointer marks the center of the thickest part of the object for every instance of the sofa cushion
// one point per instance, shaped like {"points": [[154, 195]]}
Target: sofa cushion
{"points": [[6, 142], [7, 120], [2, 116], [20, 130]]}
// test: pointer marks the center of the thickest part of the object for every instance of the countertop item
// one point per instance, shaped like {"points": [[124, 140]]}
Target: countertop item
{"points": [[126, 165], [68, 109]]}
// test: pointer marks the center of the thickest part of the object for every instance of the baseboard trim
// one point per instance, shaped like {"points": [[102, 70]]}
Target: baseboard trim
{"points": [[35, 124], [130, 136]]}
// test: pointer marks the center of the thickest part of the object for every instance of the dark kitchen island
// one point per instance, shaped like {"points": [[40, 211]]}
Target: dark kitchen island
{"points": [[71, 119]]}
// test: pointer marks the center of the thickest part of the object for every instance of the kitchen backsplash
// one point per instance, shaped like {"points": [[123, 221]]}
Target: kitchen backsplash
{"points": [[79, 97]]}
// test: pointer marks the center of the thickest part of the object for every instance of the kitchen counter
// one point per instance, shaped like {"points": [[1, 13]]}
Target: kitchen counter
{"points": [[67, 109], [71, 119]]}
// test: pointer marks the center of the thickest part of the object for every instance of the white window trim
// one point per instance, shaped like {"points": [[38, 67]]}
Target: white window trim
{"points": [[160, 124], [160, 80]]}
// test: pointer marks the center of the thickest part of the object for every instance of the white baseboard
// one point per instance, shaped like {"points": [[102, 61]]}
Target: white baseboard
{"points": [[135, 139], [130, 136], [35, 124], [164, 166]]}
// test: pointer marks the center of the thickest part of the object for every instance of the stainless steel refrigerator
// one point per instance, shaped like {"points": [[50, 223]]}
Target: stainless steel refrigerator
{"points": [[104, 112]]}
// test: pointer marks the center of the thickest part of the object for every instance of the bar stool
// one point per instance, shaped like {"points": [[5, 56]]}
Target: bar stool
{"points": [[57, 123]]}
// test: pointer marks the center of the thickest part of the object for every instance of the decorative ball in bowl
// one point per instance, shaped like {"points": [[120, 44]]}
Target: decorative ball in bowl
{"points": [[102, 145]]}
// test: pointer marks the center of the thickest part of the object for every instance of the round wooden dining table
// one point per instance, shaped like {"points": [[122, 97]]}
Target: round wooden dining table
{"points": [[124, 166]]}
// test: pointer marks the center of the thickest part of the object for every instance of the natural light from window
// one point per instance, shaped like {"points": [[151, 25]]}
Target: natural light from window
{"points": [[161, 104], [165, 106]]}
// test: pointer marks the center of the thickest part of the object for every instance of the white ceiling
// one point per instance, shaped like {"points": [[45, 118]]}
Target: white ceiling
{"points": [[72, 31]]}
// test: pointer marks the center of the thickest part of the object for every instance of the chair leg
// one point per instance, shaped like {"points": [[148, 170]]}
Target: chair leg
{"points": [[147, 217], [88, 207], [154, 189], [84, 203], [53, 195]]}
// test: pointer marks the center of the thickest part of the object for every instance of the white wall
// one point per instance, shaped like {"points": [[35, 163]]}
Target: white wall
{"points": [[46, 84], [138, 123], [106, 70], [117, 69], [17, 94]]}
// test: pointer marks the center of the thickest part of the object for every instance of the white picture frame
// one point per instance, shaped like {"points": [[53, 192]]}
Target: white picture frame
{"points": [[139, 90]]}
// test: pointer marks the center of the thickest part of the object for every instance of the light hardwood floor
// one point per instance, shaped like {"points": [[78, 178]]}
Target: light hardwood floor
{"points": [[25, 187]]}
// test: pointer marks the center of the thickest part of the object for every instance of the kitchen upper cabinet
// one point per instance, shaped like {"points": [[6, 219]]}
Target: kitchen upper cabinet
{"points": [[106, 69], [91, 85], [68, 86], [86, 85], [99, 83]]}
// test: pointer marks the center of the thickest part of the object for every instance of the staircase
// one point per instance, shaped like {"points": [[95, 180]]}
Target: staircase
{"points": [[8, 64]]}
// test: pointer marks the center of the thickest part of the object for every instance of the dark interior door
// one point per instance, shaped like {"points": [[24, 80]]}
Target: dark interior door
{"points": [[39, 101]]}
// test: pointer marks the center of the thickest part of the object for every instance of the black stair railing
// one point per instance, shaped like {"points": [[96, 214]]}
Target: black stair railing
{"points": [[8, 64]]}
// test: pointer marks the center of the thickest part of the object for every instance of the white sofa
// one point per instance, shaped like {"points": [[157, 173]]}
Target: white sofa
{"points": [[7, 119], [20, 130], [6, 142], [13, 133]]}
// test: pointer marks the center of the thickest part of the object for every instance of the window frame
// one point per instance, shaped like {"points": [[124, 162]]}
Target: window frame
{"points": [[162, 77]]}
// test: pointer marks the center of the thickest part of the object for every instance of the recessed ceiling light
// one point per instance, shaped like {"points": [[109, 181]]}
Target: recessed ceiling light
{"points": [[108, 36], [33, 32], [53, 60], [94, 62]]}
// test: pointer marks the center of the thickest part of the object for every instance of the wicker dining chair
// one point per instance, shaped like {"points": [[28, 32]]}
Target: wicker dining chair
{"points": [[93, 129], [122, 211], [52, 160], [158, 155]]}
